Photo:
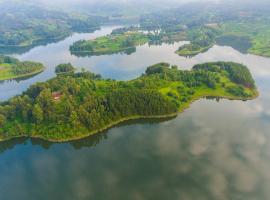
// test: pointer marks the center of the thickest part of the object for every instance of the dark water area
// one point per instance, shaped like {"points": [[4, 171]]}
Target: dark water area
{"points": [[214, 150]]}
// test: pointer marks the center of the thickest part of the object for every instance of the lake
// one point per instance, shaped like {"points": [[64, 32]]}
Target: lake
{"points": [[214, 150]]}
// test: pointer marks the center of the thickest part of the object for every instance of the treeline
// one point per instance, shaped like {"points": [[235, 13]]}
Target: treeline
{"points": [[191, 79], [26, 67], [64, 68], [21, 67], [237, 72], [125, 29], [8, 60]]}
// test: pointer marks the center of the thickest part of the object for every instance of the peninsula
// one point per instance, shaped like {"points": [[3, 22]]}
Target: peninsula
{"points": [[75, 105]]}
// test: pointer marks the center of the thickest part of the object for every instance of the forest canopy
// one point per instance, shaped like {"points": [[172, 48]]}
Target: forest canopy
{"points": [[75, 105], [64, 68]]}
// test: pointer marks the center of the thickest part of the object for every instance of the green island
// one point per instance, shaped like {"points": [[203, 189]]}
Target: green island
{"points": [[64, 68], [12, 68], [75, 105], [192, 49], [201, 39], [113, 43]]}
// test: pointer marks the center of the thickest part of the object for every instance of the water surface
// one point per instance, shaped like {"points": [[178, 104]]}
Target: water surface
{"points": [[214, 150]]}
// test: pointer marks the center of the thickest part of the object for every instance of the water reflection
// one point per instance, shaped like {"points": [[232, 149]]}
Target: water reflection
{"points": [[240, 43], [24, 49], [214, 150], [17, 80], [89, 142], [128, 51]]}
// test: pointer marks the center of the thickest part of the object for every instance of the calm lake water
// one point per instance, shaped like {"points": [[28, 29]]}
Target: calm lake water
{"points": [[214, 150]]}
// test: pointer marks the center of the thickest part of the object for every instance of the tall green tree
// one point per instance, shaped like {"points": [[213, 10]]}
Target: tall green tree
{"points": [[37, 114]]}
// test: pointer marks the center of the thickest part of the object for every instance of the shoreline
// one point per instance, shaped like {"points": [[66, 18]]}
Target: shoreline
{"points": [[111, 125]]}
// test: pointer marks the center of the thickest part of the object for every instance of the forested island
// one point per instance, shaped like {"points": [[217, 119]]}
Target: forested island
{"points": [[12, 68], [193, 49], [115, 43], [201, 39], [75, 105], [64, 68]]}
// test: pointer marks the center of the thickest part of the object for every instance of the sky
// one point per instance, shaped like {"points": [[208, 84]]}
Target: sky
{"points": [[136, 6]]}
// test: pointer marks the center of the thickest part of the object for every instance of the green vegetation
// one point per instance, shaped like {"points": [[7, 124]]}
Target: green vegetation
{"points": [[244, 27], [246, 36], [76, 105], [201, 39], [256, 33], [192, 49], [123, 40], [29, 25], [113, 43], [64, 68], [11, 68], [240, 43]]}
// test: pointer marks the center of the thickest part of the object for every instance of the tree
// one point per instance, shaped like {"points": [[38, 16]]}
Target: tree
{"points": [[37, 114], [64, 68], [2, 120]]}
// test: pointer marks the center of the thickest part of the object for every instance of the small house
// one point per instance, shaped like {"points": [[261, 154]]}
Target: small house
{"points": [[56, 96]]}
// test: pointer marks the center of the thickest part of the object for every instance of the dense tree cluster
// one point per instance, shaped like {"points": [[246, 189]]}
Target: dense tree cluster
{"points": [[237, 72], [20, 68], [8, 60], [201, 39], [26, 67], [64, 68], [193, 78]]}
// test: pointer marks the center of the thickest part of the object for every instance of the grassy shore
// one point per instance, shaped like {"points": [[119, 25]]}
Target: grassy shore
{"points": [[6, 72]]}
